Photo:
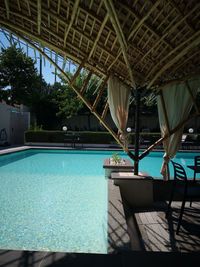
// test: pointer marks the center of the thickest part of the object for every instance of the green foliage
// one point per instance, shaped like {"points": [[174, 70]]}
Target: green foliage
{"points": [[35, 127], [68, 102], [21, 84], [116, 158], [18, 76]]}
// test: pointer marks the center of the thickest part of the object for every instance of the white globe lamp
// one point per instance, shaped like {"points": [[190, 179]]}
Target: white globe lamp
{"points": [[128, 129], [191, 130], [64, 128]]}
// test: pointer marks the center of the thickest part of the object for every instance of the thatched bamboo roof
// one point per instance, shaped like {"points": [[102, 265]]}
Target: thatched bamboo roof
{"points": [[143, 41]]}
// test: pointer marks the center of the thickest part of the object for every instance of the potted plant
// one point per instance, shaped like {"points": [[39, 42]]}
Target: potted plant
{"points": [[116, 159]]}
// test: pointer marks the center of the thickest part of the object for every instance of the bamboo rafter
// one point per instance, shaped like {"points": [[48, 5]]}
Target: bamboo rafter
{"points": [[39, 19], [7, 9], [141, 22], [101, 90], [114, 19], [171, 28], [86, 82], [71, 21], [191, 44]]}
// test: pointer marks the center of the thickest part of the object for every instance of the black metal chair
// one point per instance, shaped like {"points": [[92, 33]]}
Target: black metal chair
{"points": [[196, 166], [187, 190]]}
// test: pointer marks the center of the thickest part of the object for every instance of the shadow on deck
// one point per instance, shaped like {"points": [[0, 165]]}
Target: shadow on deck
{"points": [[158, 233]]}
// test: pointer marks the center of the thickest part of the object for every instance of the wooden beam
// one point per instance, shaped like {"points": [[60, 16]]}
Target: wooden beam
{"points": [[74, 12], [185, 49], [39, 15], [116, 25]]}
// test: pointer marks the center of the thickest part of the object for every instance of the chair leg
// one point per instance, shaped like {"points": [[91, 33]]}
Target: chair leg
{"points": [[194, 179], [170, 202], [180, 216]]}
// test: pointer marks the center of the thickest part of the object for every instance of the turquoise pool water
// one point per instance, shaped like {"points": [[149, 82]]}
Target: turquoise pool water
{"points": [[53, 201], [56, 200]]}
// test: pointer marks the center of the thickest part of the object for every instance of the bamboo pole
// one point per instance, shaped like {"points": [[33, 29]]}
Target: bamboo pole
{"points": [[101, 90], [74, 12], [7, 9], [137, 130], [39, 15], [86, 82], [28, 7], [105, 110], [164, 111], [77, 72], [116, 25], [98, 36]]}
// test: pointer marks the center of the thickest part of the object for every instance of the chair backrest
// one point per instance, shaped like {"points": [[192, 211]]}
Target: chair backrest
{"points": [[179, 172], [197, 161]]}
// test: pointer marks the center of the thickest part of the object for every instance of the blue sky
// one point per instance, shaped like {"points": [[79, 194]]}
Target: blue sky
{"points": [[48, 71]]}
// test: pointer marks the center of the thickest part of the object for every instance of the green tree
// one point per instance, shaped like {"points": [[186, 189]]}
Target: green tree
{"points": [[68, 102], [18, 76], [21, 84]]}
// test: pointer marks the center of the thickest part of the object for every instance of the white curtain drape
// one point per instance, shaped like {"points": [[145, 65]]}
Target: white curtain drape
{"points": [[118, 100], [178, 103]]}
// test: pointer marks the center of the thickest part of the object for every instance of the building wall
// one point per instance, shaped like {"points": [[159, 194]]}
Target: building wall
{"points": [[147, 122], [86, 122], [15, 121]]}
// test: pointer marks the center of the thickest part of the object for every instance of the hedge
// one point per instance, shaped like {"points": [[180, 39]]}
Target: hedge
{"points": [[85, 137], [59, 136]]}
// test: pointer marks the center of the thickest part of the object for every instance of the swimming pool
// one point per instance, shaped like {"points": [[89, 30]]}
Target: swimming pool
{"points": [[53, 201], [56, 200]]}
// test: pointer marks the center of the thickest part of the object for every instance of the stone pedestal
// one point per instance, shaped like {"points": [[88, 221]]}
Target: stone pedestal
{"points": [[137, 190], [124, 166]]}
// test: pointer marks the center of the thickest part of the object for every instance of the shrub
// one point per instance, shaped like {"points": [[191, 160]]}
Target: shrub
{"points": [[59, 136]]}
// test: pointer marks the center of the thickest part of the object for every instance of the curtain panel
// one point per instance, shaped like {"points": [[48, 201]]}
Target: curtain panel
{"points": [[178, 103], [119, 100]]}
